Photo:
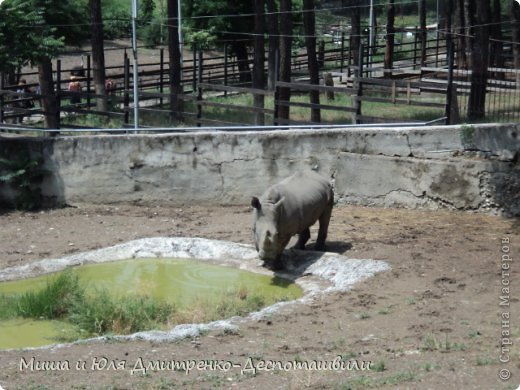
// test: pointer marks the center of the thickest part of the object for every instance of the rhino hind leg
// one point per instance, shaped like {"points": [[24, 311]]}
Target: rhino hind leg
{"points": [[303, 237], [324, 227]]}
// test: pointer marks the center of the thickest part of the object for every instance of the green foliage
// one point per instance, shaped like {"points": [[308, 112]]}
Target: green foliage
{"points": [[146, 8], [156, 32], [54, 301], [101, 313], [24, 173], [116, 19], [25, 37], [203, 39]]}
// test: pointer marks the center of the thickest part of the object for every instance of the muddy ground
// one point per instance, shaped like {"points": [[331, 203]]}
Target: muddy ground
{"points": [[433, 321]]}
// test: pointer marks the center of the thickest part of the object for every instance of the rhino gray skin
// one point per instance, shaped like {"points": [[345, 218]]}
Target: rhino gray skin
{"points": [[288, 208]]}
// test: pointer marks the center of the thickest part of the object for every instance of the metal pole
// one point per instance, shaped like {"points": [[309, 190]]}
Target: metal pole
{"points": [[136, 71]]}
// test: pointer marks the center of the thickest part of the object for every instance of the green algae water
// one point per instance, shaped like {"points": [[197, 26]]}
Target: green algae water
{"points": [[175, 281]]}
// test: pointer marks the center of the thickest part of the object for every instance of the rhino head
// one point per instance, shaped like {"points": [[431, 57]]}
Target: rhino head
{"points": [[266, 230]]}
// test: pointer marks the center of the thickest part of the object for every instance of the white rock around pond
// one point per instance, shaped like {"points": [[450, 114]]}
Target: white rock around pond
{"points": [[317, 273]]}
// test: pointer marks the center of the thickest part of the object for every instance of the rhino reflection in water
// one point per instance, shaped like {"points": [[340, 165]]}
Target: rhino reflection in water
{"points": [[288, 208]]}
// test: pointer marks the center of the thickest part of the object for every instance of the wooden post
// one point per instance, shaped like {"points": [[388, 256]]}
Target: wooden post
{"points": [[161, 75], [276, 89], [126, 95], [449, 92], [88, 81], [359, 92], [58, 93], [415, 39], [1, 98], [194, 69], [342, 58], [225, 67], [199, 88], [349, 56]]}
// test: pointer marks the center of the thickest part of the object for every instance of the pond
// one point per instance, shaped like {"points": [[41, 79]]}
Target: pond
{"points": [[178, 290]]}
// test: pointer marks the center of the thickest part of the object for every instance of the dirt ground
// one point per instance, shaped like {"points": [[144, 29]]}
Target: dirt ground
{"points": [[433, 321]]}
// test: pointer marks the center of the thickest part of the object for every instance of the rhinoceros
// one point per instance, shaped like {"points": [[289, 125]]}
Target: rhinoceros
{"points": [[288, 208]]}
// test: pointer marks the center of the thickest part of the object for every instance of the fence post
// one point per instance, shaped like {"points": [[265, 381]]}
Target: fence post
{"points": [[126, 96], [359, 90], [199, 88], [349, 56], [161, 75], [225, 67], [276, 96], [450, 98], [194, 69], [342, 60], [58, 93], [415, 39], [1, 98], [88, 81]]}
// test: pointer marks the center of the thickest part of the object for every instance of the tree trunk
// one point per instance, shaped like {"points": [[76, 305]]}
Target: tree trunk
{"points": [[390, 36], [240, 50], [459, 35], [285, 55], [516, 39], [174, 55], [272, 29], [449, 22], [259, 58], [49, 101], [496, 55], [423, 34], [355, 34], [309, 30], [98, 53], [479, 60]]}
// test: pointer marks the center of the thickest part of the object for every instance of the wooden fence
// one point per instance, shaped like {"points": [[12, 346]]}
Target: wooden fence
{"points": [[211, 84]]}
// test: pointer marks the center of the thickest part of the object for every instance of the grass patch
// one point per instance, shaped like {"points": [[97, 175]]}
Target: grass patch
{"points": [[379, 366], [364, 316], [485, 361], [430, 343], [99, 313], [363, 382]]}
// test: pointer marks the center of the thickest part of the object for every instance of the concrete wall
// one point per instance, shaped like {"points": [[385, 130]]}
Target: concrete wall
{"points": [[468, 167]]}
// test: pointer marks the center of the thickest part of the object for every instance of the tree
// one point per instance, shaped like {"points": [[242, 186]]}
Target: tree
{"points": [[34, 31], [234, 29], [516, 39], [355, 40], [423, 35], [479, 22], [175, 60], [98, 53], [459, 33], [286, 24], [273, 32], [390, 37], [309, 28], [259, 59]]}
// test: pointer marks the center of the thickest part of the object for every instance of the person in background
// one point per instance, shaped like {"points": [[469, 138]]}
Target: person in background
{"points": [[24, 102], [75, 88]]}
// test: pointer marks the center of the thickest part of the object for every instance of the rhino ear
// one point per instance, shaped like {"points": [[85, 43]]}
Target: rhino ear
{"points": [[255, 203]]}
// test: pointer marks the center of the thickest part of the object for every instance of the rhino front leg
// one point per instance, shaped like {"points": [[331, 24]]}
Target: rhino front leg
{"points": [[303, 237], [324, 227]]}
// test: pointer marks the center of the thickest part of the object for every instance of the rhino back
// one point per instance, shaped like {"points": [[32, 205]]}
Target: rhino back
{"points": [[306, 195]]}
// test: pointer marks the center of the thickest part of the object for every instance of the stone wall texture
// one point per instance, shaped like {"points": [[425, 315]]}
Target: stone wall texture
{"points": [[459, 167]]}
